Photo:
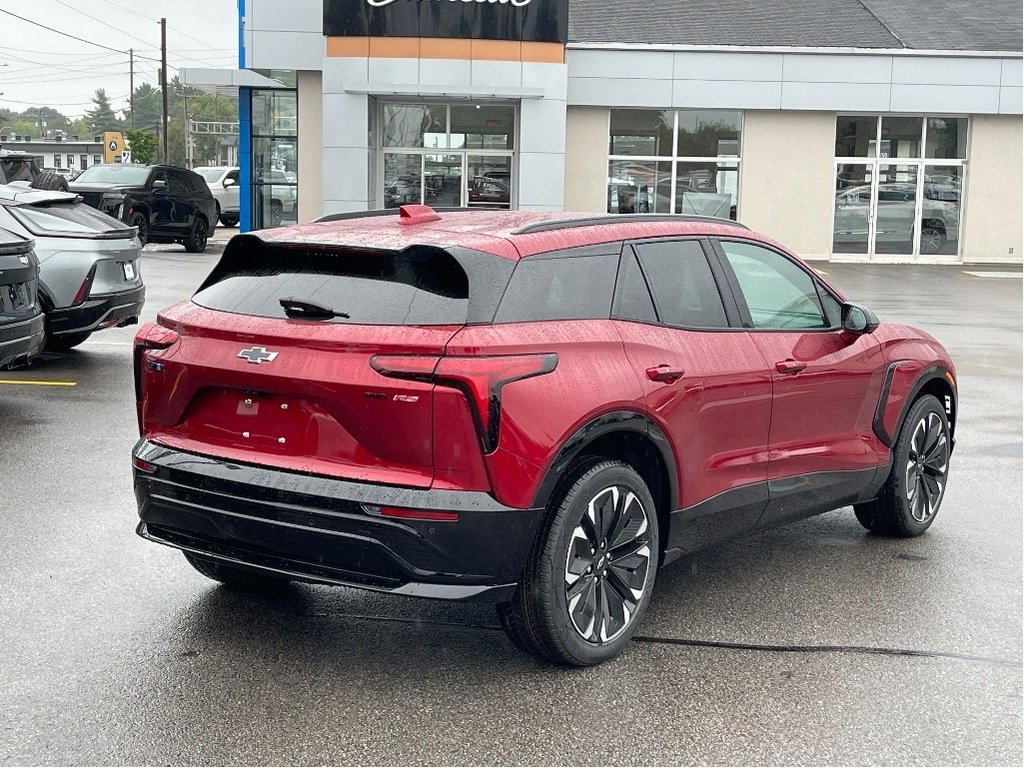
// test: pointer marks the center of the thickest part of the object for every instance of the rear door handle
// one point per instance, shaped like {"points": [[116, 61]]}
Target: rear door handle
{"points": [[790, 366], [665, 373]]}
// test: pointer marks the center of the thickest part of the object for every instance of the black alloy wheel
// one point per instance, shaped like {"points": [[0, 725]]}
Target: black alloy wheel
{"points": [[589, 579], [276, 213], [139, 221], [911, 496], [932, 239], [197, 236]]}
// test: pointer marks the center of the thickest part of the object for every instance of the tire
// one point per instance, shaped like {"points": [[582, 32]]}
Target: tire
{"points": [[140, 222], [228, 221], [932, 239], [198, 234], [912, 494], [66, 342], [588, 581], [234, 576], [276, 213], [51, 181]]}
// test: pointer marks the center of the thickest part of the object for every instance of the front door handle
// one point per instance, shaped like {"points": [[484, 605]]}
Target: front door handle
{"points": [[790, 366], [665, 374]]}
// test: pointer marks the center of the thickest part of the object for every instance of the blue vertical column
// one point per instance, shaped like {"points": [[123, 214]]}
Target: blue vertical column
{"points": [[245, 159]]}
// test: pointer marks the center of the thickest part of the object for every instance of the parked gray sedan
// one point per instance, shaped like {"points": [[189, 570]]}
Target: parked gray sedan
{"points": [[89, 275]]}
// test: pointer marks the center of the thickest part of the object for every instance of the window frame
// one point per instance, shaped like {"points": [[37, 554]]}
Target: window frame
{"points": [[732, 313], [745, 317]]}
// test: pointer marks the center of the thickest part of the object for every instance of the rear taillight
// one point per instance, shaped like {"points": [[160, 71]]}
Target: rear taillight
{"points": [[405, 513], [85, 287], [480, 379], [150, 336]]}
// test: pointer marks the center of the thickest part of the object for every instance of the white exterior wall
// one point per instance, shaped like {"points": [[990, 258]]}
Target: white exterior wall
{"points": [[787, 188], [586, 159], [311, 145], [994, 200]]}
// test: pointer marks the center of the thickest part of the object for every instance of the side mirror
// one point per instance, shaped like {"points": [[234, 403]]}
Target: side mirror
{"points": [[229, 183], [858, 319], [159, 185]]}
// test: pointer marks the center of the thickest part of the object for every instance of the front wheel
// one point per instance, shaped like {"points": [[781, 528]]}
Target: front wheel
{"points": [[141, 223], [589, 579], [910, 498]]}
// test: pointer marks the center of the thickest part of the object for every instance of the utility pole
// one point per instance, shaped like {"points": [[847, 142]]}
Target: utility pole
{"points": [[131, 84], [163, 79]]}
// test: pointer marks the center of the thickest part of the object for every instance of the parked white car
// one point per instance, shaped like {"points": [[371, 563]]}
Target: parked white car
{"points": [[223, 182]]}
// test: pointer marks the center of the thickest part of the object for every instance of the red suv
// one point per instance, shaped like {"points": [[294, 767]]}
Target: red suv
{"points": [[535, 409]]}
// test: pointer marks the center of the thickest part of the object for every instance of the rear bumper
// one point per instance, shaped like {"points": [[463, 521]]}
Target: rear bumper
{"points": [[314, 529], [99, 312], [21, 339]]}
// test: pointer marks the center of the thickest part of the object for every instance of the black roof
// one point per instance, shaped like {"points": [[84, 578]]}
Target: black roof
{"points": [[967, 25]]}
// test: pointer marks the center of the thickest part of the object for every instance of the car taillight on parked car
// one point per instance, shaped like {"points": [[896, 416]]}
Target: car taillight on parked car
{"points": [[150, 336], [85, 287], [480, 379]]}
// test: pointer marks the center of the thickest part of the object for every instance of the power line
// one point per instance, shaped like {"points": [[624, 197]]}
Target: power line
{"points": [[65, 34], [150, 18]]}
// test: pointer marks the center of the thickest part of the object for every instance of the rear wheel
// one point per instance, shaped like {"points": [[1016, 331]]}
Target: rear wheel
{"points": [[589, 579], [197, 236], [276, 213], [911, 496], [233, 576]]}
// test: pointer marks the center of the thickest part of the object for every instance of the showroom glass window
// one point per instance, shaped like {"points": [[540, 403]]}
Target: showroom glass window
{"points": [[898, 184], [457, 155], [674, 161], [275, 162]]}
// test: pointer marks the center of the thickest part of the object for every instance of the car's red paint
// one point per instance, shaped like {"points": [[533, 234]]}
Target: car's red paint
{"points": [[736, 417]]}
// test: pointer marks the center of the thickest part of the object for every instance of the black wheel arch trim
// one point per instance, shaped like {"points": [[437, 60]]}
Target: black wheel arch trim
{"points": [[932, 373], [614, 421]]}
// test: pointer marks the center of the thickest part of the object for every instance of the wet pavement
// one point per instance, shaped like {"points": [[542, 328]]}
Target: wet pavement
{"points": [[815, 643]]}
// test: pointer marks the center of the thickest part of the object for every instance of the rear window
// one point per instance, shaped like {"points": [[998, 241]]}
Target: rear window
{"points": [[560, 288], [416, 286], [69, 219]]}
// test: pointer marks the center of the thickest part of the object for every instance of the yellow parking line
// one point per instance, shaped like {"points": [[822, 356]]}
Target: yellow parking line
{"points": [[30, 383]]}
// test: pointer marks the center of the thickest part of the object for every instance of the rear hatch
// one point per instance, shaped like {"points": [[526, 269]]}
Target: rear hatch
{"points": [[270, 363], [19, 273]]}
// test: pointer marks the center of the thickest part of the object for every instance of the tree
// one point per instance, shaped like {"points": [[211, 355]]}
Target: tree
{"points": [[142, 145], [102, 116], [147, 107]]}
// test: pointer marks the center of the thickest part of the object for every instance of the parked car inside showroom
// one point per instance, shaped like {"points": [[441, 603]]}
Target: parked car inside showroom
{"points": [[89, 277], [223, 181], [164, 203], [21, 319], [534, 409]]}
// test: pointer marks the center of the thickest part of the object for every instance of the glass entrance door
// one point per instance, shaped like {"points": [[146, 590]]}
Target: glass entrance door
{"points": [[896, 210], [852, 217]]}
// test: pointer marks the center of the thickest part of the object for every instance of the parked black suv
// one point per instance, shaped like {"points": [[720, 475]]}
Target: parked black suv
{"points": [[166, 204], [21, 319]]}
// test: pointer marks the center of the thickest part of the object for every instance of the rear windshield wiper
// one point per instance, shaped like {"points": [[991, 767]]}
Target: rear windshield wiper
{"points": [[309, 310]]}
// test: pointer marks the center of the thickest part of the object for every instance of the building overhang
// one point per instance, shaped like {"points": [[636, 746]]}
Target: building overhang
{"points": [[226, 82]]}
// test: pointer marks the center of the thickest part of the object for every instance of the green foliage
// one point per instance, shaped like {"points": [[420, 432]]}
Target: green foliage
{"points": [[102, 115], [143, 146]]}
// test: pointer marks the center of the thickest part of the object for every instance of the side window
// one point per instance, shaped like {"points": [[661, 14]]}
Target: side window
{"points": [[779, 293], [177, 185], [233, 175], [685, 292], [560, 288], [632, 297]]}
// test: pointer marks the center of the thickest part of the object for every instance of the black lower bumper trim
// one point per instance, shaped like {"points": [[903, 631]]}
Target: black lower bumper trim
{"points": [[101, 311], [21, 339], [314, 528]]}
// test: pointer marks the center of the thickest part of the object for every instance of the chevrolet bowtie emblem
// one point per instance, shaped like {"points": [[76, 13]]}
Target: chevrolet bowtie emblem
{"points": [[257, 355]]}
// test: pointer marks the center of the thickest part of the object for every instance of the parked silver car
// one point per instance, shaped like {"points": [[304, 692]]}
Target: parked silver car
{"points": [[89, 276]]}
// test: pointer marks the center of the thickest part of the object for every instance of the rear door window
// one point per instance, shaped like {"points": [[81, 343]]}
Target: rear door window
{"points": [[685, 292], [560, 287], [416, 286]]}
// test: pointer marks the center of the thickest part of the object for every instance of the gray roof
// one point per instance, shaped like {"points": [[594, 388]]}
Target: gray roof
{"points": [[975, 25]]}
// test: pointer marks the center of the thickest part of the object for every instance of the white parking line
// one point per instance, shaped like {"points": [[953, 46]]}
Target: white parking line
{"points": [[1003, 275]]}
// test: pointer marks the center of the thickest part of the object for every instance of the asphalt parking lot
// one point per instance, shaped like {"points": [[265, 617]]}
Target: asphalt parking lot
{"points": [[812, 644]]}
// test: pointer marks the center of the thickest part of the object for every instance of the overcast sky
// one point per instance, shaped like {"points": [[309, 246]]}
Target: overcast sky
{"points": [[44, 68]]}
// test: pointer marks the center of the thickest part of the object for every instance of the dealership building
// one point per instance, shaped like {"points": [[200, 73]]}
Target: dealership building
{"points": [[850, 130]]}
